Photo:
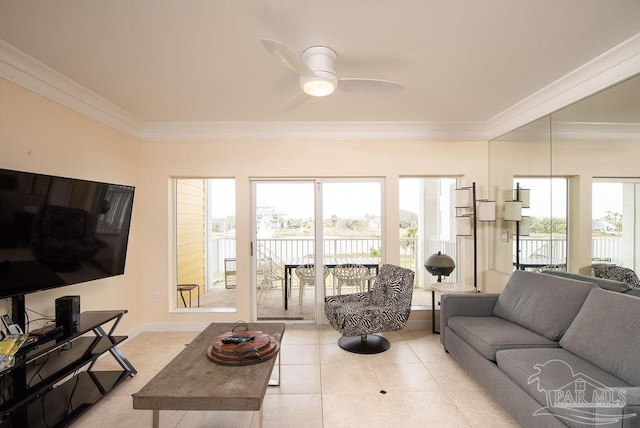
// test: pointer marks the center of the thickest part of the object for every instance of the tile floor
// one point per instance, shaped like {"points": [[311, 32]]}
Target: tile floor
{"points": [[322, 386]]}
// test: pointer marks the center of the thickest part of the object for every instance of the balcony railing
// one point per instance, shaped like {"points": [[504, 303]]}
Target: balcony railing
{"points": [[602, 247], [280, 250]]}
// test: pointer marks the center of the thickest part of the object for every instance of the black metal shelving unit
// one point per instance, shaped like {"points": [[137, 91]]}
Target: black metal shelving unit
{"points": [[54, 383]]}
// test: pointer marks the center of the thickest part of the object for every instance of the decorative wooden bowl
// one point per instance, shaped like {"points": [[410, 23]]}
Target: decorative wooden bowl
{"points": [[263, 347]]}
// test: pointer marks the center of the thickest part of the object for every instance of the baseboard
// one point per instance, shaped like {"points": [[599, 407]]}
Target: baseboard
{"points": [[418, 325]]}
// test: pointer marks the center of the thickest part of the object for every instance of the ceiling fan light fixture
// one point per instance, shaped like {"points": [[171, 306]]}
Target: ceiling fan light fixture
{"points": [[320, 85]]}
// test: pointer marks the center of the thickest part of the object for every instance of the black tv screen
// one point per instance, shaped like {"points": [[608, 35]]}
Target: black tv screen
{"points": [[58, 231]]}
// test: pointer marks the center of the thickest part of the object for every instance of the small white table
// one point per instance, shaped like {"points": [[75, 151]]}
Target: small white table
{"points": [[445, 288]]}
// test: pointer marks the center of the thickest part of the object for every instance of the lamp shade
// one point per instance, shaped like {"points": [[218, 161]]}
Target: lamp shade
{"points": [[524, 197], [513, 210], [462, 198], [463, 226], [525, 226], [486, 210], [439, 264]]}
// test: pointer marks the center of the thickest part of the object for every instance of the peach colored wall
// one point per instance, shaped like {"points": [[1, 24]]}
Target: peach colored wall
{"points": [[278, 159], [41, 136]]}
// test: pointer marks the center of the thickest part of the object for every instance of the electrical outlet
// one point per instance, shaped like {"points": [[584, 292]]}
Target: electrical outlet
{"points": [[154, 296]]}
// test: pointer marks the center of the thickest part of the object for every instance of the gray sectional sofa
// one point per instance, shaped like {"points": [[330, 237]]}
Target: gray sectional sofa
{"points": [[554, 351]]}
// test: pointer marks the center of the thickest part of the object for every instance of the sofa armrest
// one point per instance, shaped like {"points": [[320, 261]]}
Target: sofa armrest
{"points": [[466, 305], [631, 411]]}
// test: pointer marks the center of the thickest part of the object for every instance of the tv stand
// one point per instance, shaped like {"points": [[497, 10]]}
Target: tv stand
{"points": [[55, 383]]}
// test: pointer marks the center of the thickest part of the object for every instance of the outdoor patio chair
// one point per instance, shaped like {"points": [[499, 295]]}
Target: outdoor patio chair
{"points": [[350, 275], [307, 277], [269, 274], [385, 308]]}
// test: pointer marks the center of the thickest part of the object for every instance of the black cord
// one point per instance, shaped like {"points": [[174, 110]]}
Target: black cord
{"points": [[69, 407], [37, 373], [28, 321], [49, 321], [44, 413], [42, 315]]}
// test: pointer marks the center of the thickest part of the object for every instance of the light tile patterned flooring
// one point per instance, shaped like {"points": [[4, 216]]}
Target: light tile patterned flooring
{"points": [[322, 386]]}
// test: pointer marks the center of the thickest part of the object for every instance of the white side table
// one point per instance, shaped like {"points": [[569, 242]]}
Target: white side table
{"points": [[445, 288]]}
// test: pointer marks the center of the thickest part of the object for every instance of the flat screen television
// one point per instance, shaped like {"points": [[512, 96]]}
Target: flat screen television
{"points": [[57, 231]]}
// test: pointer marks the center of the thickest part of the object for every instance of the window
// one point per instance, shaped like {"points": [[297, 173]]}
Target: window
{"points": [[427, 225], [615, 226], [205, 242], [543, 242]]}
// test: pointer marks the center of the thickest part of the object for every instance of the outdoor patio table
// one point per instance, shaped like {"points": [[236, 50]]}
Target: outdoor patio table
{"points": [[329, 262]]}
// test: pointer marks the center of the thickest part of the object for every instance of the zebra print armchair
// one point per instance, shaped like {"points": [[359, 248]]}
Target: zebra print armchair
{"points": [[385, 308]]}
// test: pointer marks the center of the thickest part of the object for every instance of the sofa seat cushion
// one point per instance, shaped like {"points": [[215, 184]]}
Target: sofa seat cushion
{"points": [[487, 335], [605, 333], [542, 303], [554, 377]]}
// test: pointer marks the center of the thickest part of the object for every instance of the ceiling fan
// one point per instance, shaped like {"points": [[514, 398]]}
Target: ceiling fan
{"points": [[317, 78]]}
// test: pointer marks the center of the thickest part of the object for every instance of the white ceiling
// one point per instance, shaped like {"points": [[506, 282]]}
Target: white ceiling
{"points": [[465, 62]]}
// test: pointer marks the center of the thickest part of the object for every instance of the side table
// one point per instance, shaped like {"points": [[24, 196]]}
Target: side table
{"points": [[445, 288], [189, 288]]}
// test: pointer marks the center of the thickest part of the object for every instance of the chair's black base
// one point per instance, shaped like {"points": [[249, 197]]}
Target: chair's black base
{"points": [[373, 344]]}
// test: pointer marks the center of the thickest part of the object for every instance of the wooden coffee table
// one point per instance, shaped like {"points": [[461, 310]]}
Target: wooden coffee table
{"points": [[192, 382]]}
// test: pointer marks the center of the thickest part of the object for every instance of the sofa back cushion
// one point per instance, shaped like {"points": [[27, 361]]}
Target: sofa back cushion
{"points": [[605, 333], [542, 303], [607, 284]]}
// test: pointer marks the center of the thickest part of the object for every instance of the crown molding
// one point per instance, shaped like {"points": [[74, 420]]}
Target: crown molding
{"points": [[24, 70], [315, 131], [613, 66], [596, 131], [576, 131]]}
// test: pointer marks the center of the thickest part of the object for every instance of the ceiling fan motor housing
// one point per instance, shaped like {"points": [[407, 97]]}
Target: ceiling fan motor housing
{"points": [[320, 60]]}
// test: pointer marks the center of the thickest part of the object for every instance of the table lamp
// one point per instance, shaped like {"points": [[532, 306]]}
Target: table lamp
{"points": [[439, 264]]}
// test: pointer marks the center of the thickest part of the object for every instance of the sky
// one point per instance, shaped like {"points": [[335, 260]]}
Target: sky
{"points": [[344, 199], [607, 196]]}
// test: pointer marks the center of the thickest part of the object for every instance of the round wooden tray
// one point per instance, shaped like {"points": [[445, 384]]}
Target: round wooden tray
{"points": [[263, 347]]}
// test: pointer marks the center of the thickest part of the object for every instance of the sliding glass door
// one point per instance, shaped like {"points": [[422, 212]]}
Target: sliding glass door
{"points": [[284, 238], [351, 233], [289, 241]]}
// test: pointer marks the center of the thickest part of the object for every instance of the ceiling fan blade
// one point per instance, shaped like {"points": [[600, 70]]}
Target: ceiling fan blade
{"points": [[378, 87], [286, 55], [295, 101]]}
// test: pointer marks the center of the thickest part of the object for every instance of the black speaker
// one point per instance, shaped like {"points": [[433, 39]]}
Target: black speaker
{"points": [[68, 314]]}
